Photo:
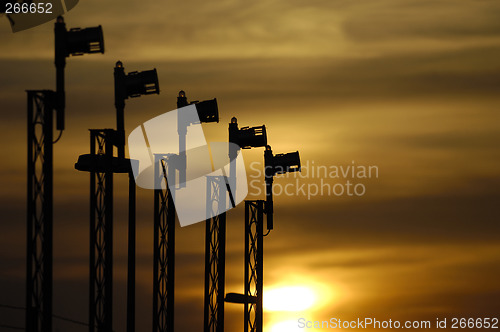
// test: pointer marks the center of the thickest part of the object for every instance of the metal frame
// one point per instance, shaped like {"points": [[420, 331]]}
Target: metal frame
{"points": [[215, 254], [101, 235], [39, 211], [254, 261], [163, 250]]}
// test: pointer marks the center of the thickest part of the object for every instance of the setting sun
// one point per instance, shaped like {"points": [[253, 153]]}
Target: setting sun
{"points": [[286, 326], [291, 298]]}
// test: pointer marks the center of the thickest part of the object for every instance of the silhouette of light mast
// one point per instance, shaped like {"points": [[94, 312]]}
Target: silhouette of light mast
{"points": [[41, 104], [215, 234], [254, 239], [164, 213], [102, 164]]}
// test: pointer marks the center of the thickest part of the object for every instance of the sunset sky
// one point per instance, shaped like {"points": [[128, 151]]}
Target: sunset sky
{"points": [[410, 87]]}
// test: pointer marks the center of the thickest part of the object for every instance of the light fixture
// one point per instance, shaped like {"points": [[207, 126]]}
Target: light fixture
{"points": [[84, 41], [133, 84], [139, 83], [247, 137], [281, 163], [73, 42], [207, 110], [277, 164]]}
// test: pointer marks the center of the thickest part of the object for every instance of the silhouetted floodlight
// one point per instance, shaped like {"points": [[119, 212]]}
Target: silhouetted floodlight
{"points": [[277, 164], [282, 163], [142, 83], [133, 84], [82, 41], [73, 42], [77, 41], [247, 137], [240, 298], [208, 110]]}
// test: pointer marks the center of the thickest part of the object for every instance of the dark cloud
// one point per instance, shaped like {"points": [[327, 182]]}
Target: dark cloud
{"points": [[439, 20]]}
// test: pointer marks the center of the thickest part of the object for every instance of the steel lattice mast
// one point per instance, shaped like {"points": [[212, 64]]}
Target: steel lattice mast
{"points": [[101, 235], [102, 165], [39, 211], [252, 299], [215, 252], [254, 261], [163, 249]]}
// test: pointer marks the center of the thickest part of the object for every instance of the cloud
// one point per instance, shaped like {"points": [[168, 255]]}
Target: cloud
{"points": [[441, 20]]}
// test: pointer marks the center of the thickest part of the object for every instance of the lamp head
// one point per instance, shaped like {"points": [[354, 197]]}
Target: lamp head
{"points": [[84, 41], [251, 137], [142, 83], [208, 111], [281, 163]]}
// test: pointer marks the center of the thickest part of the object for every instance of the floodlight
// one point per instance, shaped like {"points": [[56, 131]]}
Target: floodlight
{"points": [[77, 41], [84, 41], [134, 84], [73, 42], [139, 83], [281, 163], [247, 137], [277, 164], [208, 110]]}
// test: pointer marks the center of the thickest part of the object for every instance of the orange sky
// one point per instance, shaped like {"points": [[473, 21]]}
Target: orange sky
{"points": [[408, 86]]}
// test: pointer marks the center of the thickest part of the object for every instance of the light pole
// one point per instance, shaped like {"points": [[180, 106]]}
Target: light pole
{"points": [[166, 166], [41, 105], [102, 164], [255, 210], [215, 234]]}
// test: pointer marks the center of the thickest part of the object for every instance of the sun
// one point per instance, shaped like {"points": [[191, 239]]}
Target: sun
{"points": [[289, 298], [286, 326]]}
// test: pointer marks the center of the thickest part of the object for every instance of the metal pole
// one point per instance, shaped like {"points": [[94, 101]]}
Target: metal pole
{"points": [[108, 236], [92, 242], [182, 125], [131, 255], [120, 96], [48, 214], [170, 252], [30, 317], [260, 265], [60, 33], [156, 233]]}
